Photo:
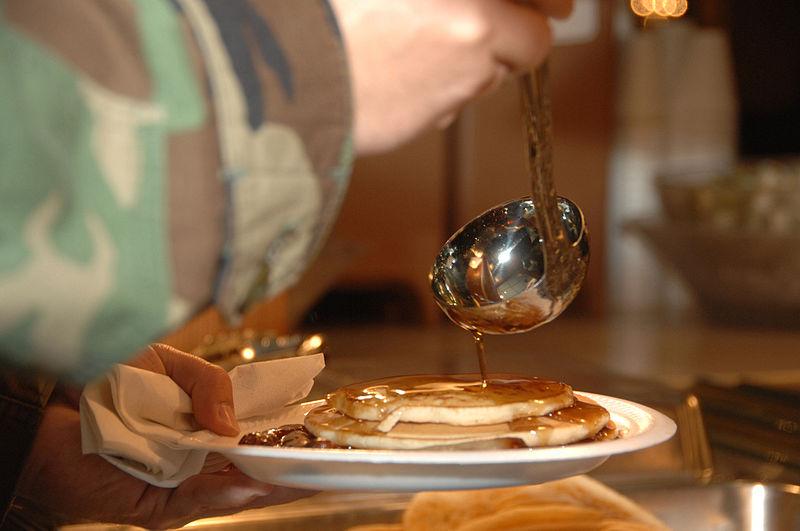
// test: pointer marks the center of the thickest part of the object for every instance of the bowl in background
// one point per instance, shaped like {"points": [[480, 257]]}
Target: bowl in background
{"points": [[735, 277], [735, 241]]}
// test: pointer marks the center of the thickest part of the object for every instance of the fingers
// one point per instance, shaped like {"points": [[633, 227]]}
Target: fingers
{"points": [[219, 492], [207, 384], [522, 36], [224, 493]]}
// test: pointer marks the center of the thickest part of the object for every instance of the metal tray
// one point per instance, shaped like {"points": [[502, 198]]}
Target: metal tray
{"points": [[725, 506], [685, 459], [714, 507]]}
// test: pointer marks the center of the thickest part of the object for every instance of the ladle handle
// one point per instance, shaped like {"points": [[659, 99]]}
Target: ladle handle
{"points": [[537, 120]]}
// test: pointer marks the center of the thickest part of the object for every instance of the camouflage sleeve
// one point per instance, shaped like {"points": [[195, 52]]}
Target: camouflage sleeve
{"points": [[156, 156], [280, 87]]}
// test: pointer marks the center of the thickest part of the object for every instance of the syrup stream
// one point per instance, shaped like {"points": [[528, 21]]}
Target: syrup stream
{"points": [[481, 350]]}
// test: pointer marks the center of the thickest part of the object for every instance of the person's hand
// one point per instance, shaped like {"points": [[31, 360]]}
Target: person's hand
{"points": [[414, 63], [60, 480]]}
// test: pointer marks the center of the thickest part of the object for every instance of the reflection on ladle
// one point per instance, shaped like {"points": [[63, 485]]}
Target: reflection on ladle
{"points": [[520, 264]]}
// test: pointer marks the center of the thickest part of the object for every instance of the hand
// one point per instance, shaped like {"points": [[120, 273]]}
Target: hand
{"points": [[414, 63], [62, 481]]}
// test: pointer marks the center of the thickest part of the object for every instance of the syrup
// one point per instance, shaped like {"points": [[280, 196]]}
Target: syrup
{"points": [[479, 347], [546, 430], [579, 412], [515, 317], [498, 389]]}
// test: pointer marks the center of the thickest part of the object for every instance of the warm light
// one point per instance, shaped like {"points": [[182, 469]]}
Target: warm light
{"points": [[665, 8], [248, 353], [757, 504], [314, 342], [643, 8], [661, 8]]}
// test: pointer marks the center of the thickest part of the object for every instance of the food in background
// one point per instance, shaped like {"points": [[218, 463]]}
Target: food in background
{"points": [[576, 503]]}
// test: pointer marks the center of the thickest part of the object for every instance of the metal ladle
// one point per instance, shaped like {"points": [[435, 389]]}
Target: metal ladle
{"points": [[519, 264]]}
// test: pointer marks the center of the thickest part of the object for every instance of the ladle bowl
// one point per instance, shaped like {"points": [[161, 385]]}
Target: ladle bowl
{"points": [[489, 277]]}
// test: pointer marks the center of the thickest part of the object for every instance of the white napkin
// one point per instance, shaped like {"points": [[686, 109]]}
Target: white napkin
{"points": [[140, 421]]}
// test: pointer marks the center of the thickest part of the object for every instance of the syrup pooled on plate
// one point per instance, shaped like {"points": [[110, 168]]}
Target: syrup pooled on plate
{"points": [[286, 436]]}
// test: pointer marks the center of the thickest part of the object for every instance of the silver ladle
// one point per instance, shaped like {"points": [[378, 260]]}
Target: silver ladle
{"points": [[519, 264]]}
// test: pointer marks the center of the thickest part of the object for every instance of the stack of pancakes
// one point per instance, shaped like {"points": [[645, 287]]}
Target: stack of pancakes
{"points": [[456, 412]]}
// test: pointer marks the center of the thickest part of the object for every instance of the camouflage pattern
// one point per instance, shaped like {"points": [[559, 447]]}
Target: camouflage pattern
{"points": [[157, 156]]}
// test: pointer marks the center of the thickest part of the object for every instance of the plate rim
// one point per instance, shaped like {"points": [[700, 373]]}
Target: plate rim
{"points": [[661, 428]]}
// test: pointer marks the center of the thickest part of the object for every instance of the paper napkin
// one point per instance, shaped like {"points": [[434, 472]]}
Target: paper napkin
{"points": [[140, 421]]}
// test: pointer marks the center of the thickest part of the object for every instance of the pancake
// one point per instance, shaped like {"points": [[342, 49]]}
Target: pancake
{"points": [[457, 400], [574, 503], [579, 421]]}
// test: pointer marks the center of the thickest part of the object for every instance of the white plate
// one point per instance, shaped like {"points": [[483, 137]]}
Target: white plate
{"points": [[415, 470]]}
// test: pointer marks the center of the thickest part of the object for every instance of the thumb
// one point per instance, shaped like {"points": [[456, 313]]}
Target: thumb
{"points": [[207, 384]]}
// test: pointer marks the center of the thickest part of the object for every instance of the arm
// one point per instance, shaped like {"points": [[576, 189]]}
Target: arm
{"points": [[442, 54], [60, 483], [113, 220]]}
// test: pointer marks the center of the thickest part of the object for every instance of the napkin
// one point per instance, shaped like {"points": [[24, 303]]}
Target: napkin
{"points": [[142, 421]]}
